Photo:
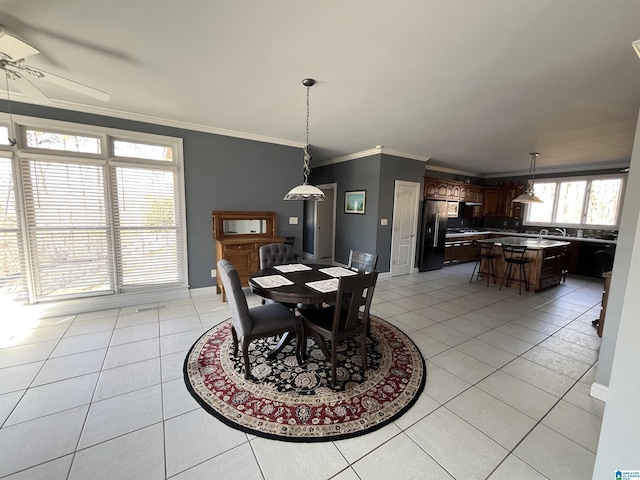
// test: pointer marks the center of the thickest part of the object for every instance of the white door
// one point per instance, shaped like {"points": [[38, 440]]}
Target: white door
{"points": [[405, 227], [325, 221]]}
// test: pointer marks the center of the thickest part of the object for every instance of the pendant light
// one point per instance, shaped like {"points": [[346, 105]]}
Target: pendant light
{"points": [[529, 196], [306, 191]]}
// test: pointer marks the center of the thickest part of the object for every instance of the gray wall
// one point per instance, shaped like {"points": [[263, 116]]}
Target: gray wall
{"points": [[395, 168], [354, 231], [377, 175], [221, 173]]}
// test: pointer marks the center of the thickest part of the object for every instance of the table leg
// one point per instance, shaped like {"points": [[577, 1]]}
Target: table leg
{"points": [[285, 339]]}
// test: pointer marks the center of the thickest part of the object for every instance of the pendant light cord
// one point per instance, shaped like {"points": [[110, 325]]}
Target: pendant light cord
{"points": [[307, 158]]}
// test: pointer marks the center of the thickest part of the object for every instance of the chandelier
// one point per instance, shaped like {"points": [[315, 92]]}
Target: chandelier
{"points": [[306, 191], [529, 196]]}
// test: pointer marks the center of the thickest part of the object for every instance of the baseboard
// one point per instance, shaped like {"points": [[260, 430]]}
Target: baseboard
{"points": [[202, 291], [599, 392]]}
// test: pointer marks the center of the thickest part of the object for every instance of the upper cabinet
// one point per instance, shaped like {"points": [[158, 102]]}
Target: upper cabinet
{"points": [[435, 188], [496, 201]]}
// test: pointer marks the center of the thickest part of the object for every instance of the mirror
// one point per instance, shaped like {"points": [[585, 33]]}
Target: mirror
{"points": [[244, 227]]}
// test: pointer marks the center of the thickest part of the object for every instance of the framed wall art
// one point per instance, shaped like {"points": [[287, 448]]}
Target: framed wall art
{"points": [[354, 201]]}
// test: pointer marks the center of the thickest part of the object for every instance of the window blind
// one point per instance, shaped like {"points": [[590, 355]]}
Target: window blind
{"points": [[12, 277], [68, 228], [147, 226]]}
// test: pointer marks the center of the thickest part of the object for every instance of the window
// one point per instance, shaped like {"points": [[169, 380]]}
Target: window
{"points": [[62, 141], [588, 202], [92, 224], [12, 279]]}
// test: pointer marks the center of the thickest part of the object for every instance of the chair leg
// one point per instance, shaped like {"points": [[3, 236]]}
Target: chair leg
{"points": [[507, 273], [474, 271], [493, 271], [234, 335], [524, 275], [299, 339], [363, 351], [334, 360], [245, 356]]}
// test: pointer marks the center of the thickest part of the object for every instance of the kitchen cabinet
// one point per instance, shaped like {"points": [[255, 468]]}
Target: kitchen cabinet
{"points": [[588, 263], [467, 193], [435, 188], [492, 204], [453, 192]]}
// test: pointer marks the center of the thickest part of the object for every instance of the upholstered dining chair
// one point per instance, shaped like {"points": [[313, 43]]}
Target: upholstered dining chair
{"points": [[275, 254], [257, 322], [342, 320], [362, 262]]}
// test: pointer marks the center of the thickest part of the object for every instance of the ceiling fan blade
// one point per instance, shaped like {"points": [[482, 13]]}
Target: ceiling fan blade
{"points": [[75, 86], [28, 88], [14, 48]]}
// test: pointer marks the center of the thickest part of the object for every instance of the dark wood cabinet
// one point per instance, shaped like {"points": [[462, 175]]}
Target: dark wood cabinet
{"points": [[238, 237], [435, 188], [453, 192], [491, 205]]}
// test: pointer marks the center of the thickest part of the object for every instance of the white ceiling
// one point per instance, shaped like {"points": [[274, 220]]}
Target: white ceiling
{"points": [[473, 85]]}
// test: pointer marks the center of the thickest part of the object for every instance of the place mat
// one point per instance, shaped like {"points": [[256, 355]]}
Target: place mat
{"points": [[272, 281], [292, 267], [337, 271], [296, 403], [324, 286]]}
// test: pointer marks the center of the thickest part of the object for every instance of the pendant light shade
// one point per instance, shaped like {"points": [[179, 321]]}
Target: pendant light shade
{"points": [[529, 196], [306, 191]]}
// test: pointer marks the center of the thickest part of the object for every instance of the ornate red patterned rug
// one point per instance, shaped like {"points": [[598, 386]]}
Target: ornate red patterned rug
{"points": [[285, 401]]}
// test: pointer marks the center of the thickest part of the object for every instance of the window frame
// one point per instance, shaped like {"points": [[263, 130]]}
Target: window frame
{"points": [[21, 154], [585, 202]]}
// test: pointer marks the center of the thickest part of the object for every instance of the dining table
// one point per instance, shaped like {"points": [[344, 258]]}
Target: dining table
{"points": [[305, 285]]}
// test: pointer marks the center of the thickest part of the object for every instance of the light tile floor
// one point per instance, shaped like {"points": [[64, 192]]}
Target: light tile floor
{"points": [[100, 395]]}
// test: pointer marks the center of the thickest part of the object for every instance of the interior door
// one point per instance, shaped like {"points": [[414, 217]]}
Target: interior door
{"points": [[405, 225], [325, 221]]}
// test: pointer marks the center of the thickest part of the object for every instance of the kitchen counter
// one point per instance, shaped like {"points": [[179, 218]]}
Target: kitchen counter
{"points": [[547, 260], [530, 243], [462, 235]]}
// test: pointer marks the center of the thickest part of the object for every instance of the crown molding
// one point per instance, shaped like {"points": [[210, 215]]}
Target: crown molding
{"points": [[437, 168], [121, 114], [368, 153], [562, 169]]}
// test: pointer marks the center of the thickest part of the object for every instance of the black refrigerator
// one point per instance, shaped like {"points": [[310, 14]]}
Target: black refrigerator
{"points": [[433, 234]]}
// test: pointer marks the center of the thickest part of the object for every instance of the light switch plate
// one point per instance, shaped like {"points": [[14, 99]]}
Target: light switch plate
{"points": [[293, 220], [384, 221]]}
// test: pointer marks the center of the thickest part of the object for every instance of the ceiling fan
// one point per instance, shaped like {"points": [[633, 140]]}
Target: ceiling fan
{"points": [[12, 56]]}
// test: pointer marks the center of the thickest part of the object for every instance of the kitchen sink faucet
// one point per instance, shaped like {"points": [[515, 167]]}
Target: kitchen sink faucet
{"points": [[563, 231]]}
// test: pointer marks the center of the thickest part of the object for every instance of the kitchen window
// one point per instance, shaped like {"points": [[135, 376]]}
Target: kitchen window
{"points": [[578, 202]]}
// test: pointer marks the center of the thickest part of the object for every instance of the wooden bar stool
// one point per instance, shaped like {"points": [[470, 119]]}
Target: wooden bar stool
{"points": [[482, 251], [514, 255]]}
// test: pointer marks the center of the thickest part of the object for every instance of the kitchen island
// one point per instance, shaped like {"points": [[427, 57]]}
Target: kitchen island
{"points": [[547, 260]]}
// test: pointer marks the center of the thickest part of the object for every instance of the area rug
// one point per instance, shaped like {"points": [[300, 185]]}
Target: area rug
{"points": [[285, 401]]}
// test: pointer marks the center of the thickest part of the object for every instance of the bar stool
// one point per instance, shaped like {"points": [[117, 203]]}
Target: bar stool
{"points": [[514, 255], [482, 251]]}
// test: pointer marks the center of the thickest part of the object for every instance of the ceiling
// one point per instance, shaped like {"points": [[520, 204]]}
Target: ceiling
{"points": [[470, 85]]}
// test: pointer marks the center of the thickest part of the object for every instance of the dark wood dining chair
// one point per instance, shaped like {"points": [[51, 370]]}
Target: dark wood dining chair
{"points": [[343, 320], [362, 262], [248, 324], [514, 255]]}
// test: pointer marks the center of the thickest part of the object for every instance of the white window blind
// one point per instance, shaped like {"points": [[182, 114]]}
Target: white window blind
{"points": [[147, 226], [12, 277], [68, 228]]}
